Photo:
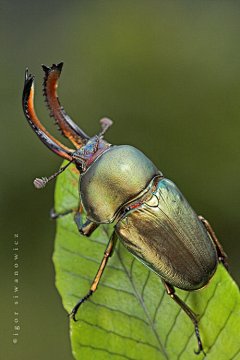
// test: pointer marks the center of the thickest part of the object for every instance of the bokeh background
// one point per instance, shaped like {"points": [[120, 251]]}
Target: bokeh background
{"points": [[167, 73]]}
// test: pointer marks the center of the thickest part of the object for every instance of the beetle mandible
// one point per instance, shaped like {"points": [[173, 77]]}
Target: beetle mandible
{"points": [[120, 184]]}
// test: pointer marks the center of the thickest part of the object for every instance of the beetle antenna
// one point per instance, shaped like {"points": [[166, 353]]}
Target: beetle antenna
{"points": [[40, 183], [106, 123]]}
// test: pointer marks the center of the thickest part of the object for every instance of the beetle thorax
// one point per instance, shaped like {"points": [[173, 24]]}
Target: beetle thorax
{"points": [[114, 179]]}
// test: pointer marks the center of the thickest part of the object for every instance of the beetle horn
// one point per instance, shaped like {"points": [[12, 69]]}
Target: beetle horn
{"points": [[66, 125], [44, 136]]}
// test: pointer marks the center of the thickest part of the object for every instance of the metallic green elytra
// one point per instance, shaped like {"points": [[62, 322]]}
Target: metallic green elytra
{"points": [[172, 243], [120, 184]]}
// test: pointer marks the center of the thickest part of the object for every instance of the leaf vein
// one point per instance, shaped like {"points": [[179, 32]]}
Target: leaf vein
{"points": [[106, 350], [220, 330], [120, 335], [144, 307], [101, 284], [81, 236], [145, 284], [88, 258], [207, 303], [120, 311], [234, 356], [157, 308], [175, 321]]}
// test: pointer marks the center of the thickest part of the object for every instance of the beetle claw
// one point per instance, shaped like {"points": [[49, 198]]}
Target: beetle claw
{"points": [[72, 315], [199, 350], [74, 311], [200, 347]]}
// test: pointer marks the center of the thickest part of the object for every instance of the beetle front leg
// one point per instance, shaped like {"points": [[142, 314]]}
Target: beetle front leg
{"points": [[54, 215], [171, 291], [221, 254], [85, 229], [107, 253], [88, 227]]}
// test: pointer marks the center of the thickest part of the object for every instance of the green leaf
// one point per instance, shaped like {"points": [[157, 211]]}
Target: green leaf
{"points": [[130, 316]]}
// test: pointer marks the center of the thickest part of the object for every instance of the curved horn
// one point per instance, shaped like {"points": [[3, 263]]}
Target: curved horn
{"points": [[44, 136], [68, 128]]}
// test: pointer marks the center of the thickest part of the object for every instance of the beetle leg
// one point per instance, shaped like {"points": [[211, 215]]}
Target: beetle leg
{"points": [[85, 229], [171, 291], [221, 254], [107, 253], [54, 215], [88, 227]]}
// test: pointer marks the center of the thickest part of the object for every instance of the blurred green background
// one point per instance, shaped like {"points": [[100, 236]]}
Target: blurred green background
{"points": [[168, 74]]}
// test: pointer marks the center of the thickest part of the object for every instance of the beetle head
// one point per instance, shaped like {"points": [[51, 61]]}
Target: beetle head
{"points": [[84, 156], [87, 148]]}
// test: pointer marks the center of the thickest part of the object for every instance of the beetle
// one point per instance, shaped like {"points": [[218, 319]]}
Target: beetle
{"points": [[119, 184]]}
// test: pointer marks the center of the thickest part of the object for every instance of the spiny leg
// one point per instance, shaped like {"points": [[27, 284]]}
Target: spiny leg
{"points": [[107, 253], [221, 254], [188, 311]]}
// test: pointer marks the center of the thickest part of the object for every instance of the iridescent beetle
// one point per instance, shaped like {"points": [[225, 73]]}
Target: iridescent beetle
{"points": [[120, 184]]}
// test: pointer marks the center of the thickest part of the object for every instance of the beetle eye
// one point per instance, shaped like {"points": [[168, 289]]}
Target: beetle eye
{"points": [[80, 166]]}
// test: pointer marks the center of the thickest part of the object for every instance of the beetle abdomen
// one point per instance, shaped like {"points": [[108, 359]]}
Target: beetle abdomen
{"points": [[166, 235], [114, 178]]}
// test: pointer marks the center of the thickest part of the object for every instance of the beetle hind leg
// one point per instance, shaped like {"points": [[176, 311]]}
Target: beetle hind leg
{"points": [[222, 256], [171, 291]]}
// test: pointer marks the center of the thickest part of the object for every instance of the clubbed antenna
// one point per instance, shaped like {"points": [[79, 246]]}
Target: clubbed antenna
{"points": [[106, 123], [40, 183]]}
